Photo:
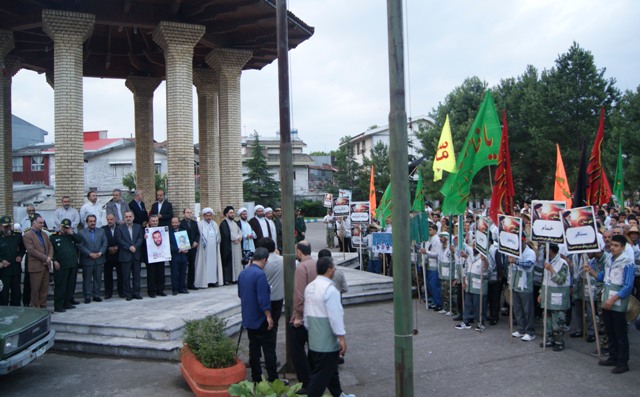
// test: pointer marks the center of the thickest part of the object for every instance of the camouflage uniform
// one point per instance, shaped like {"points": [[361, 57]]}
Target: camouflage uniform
{"points": [[554, 295]]}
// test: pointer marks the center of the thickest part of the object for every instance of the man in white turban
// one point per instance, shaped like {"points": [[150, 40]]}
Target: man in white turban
{"points": [[248, 236], [208, 262], [259, 223]]}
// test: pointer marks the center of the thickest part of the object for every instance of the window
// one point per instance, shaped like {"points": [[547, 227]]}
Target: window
{"points": [[158, 168], [17, 164], [118, 170], [37, 163]]}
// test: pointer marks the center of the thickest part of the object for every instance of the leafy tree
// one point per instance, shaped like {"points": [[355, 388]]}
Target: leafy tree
{"points": [[381, 171], [348, 175], [259, 185], [626, 124], [129, 181]]}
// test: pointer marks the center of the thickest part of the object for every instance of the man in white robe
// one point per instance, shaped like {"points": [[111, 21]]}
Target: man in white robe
{"points": [[208, 262]]}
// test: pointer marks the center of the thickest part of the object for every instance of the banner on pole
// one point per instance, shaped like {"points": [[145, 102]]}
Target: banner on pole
{"points": [[328, 200], [381, 243], [510, 235], [482, 235], [580, 230], [360, 212], [546, 221], [341, 206]]}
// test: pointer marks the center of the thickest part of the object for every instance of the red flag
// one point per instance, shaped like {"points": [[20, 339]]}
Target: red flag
{"points": [[503, 191], [598, 189], [372, 195]]}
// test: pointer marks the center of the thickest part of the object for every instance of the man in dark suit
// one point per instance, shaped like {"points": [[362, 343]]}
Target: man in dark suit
{"points": [[111, 259], [191, 226], [163, 208], [129, 238], [140, 214], [92, 252], [117, 207]]}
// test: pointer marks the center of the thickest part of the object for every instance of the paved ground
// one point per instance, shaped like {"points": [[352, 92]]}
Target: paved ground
{"points": [[446, 362]]}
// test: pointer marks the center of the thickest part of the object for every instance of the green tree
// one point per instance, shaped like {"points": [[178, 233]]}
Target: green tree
{"points": [[129, 181], [349, 173], [381, 171], [259, 185], [626, 124]]}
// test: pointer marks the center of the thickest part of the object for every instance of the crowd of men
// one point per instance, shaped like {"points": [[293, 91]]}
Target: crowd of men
{"points": [[79, 242], [475, 288]]}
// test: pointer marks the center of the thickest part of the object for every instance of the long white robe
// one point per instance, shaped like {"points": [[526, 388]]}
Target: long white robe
{"points": [[208, 262], [236, 248]]}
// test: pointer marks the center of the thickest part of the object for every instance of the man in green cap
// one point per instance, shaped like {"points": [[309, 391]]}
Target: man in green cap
{"points": [[65, 261], [11, 252]]}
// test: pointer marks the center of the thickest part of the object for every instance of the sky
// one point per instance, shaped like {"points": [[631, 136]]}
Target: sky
{"points": [[339, 77]]}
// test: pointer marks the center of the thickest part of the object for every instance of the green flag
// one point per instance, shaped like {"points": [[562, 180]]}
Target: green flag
{"points": [[418, 202], [480, 149], [384, 207], [618, 184]]}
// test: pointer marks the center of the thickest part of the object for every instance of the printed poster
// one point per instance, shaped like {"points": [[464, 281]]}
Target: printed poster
{"points": [[328, 200], [344, 193], [546, 223], [158, 248], [482, 235], [341, 206], [510, 235], [381, 243], [359, 235], [182, 239], [360, 212], [580, 230]]}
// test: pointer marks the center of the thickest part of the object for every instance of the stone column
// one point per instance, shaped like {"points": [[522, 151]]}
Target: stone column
{"points": [[142, 89], [6, 175], [68, 30], [206, 84], [12, 65], [177, 40], [228, 64]]}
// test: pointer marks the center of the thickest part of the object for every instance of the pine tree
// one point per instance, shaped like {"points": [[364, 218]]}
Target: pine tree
{"points": [[259, 185]]}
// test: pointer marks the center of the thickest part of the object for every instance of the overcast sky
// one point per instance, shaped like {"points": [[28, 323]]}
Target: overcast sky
{"points": [[339, 77]]}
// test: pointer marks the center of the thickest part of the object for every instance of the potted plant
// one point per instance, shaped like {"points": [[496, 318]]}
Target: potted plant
{"points": [[208, 359], [277, 388]]}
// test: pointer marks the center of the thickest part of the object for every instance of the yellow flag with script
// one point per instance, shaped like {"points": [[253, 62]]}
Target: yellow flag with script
{"points": [[445, 159]]}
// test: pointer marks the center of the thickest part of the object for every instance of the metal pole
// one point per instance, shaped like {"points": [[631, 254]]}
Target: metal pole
{"points": [[398, 154], [286, 169]]}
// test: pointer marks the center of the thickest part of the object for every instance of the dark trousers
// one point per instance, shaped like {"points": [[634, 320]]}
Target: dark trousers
{"points": [[276, 312], [261, 341], [26, 286], [615, 325], [472, 308], [324, 374], [92, 280], [109, 266], [179, 274], [300, 337], [10, 294], [433, 287], [131, 270], [494, 295], [155, 278], [457, 291], [191, 268], [64, 286]]}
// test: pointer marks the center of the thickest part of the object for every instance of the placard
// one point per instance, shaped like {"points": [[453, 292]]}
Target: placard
{"points": [[344, 193], [359, 235], [341, 206], [158, 248], [510, 235], [546, 222], [381, 243], [360, 212], [182, 239], [328, 200], [580, 230], [482, 235]]}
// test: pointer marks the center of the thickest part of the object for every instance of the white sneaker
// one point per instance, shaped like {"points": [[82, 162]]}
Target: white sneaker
{"points": [[347, 395], [442, 311], [517, 335], [448, 314], [528, 338]]}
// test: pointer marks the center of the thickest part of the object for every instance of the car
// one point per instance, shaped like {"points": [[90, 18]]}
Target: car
{"points": [[25, 335]]}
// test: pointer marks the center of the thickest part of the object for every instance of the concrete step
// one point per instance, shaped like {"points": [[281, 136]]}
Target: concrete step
{"points": [[382, 294]]}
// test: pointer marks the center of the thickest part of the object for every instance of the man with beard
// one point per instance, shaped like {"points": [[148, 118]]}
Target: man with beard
{"points": [[268, 214], [93, 249], [39, 260], [248, 237], [163, 208], [140, 214], [259, 223], [117, 206], [65, 261], [111, 259], [230, 246], [178, 261], [277, 220], [155, 271], [67, 212], [91, 208], [208, 263], [191, 226], [11, 252], [129, 238]]}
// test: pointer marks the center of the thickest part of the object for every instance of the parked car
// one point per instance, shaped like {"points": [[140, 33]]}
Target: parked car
{"points": [[25, 335]]}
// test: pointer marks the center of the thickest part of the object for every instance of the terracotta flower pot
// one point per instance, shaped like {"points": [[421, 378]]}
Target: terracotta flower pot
{"points": [[209, 381]]}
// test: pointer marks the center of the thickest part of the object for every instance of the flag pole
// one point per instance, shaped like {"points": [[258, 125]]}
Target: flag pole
{"points": [[513, 276], [592, 305], [546, 301]]}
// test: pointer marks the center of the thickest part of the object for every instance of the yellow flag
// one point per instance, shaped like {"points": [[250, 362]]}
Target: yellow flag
{"points": [[445, 159]]}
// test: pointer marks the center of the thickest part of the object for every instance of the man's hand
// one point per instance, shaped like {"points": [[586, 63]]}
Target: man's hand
{"points": [[56, 265], [297, 322], [608, 304], [132, 249], [549, 268], [5, 263], [269, 322], [343, 345], [194, 245]]}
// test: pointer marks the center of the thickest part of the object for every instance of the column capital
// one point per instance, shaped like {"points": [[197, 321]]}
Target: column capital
{"points": [[204, 78], [177, 35], [142, 86], [67, 27], [220, 59], [7, 42], [12, 64]]}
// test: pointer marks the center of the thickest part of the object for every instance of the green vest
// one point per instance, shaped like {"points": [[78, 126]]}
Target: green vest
{"points": [[522, 279], [557, 296], [477, 277], [614, 281]]}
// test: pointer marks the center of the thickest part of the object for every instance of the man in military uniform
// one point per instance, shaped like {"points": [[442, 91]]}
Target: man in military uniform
{"points": [[65, 261], [11, 252], [554, 295], [300, 225]]}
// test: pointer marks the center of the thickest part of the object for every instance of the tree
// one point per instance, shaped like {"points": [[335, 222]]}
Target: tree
{"points": [[259, 185], [382, 173], [129, 181], [348, 175], [626, 124]]}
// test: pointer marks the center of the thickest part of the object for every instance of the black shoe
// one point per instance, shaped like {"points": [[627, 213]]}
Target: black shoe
{"points": [[69, 307], [98, 299], [151, 296], [129, 298], [437, 308], [137, 297], [575, 335], [431, 307], [74, 302], [184, 291], [549, 343], [60, 310], [619, 369], [87, 300], [174, 293], [122, 295], [107, 297], [457, 318], [591, 339], [558, 348], [192, 287], [608, 363], [161, 294], [493, 322]]}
